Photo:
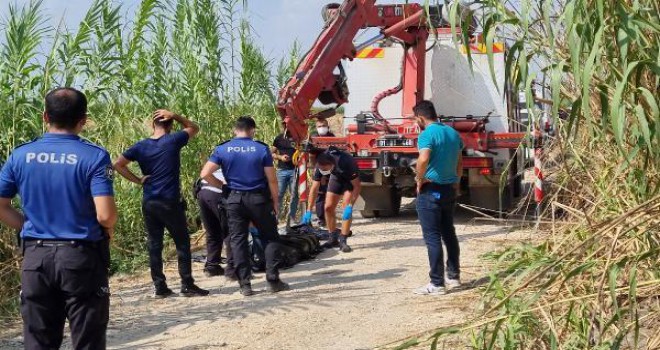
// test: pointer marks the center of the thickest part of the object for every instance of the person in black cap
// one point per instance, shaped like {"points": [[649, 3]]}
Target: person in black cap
{"points": [[248, 168], [322, 130], [159, 158], [65, 187], [343, 183]]}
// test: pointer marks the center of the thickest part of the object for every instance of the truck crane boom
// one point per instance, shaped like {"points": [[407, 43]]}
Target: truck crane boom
{"points": [[386, 151], [320, 74]]}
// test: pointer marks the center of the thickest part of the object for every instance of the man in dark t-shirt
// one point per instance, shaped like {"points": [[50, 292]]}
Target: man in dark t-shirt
{"points": [[343, 184], [159, 158], [284, 147]]}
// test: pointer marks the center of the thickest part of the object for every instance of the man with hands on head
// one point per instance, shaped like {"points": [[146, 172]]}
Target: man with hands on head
{"points": [[159, 158], [344, 183], [253, 197]]}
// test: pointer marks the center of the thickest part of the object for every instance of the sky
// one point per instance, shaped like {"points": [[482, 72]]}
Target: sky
{"points": [[277, 23]]}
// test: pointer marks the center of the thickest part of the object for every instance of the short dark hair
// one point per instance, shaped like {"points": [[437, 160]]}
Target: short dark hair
{"points": [[325, 159], [245, 123], [426, 110], [165, 124], [66, 107]]}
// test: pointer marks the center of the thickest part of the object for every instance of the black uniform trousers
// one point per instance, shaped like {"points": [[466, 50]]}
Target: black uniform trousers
{"points": [[212, 207], [320, 207], [255, 207], [171, 215], [65, 280]]}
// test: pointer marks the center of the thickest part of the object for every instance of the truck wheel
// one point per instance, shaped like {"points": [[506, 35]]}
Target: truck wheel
{"points": [[395, 205], [368, 214], [517, 186], [382, 201]]}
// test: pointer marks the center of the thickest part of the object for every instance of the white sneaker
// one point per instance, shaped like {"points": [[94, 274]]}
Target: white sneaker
{"points": [[452, 283], [430, 289]]}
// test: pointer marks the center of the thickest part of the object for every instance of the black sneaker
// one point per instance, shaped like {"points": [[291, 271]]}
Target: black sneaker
{"points": [[212, 271], [231, 276], [246, 290], [162, 293], [330, 244], [279, 286], [343, 245], [193, 291], [333, 242]]}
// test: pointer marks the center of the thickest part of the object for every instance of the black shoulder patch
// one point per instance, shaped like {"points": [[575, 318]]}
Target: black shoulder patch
{"points": [[92, 144], [27, 143], [263, 143], [109, 172], [222, 143]]}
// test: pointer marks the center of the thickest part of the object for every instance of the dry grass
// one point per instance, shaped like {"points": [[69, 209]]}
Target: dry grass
{"points": [[594, 283]]}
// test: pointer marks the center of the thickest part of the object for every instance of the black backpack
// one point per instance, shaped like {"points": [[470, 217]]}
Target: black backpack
{"points": [[300, 243]]}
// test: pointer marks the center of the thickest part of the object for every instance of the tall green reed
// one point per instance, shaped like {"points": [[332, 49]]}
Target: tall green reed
{"points": [[592, 279], [196, 57]]}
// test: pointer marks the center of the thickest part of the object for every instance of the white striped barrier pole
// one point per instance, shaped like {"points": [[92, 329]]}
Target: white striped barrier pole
{"points": [[538, 174], [302, 178]]}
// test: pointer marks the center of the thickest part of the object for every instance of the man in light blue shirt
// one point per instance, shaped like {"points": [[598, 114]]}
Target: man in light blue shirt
{"points": [[439, 170]]}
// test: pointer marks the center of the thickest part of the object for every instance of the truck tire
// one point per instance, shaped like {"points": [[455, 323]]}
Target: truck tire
{"points": [[368, 214], [395, 207], [489, 198], [395, 203], [517, 186]]}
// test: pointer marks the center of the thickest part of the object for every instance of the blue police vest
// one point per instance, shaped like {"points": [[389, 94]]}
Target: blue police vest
{"points": [[243, 161], [57, 176]]}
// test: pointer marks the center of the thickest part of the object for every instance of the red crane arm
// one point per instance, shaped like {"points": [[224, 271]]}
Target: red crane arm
{"points": [[316, 77]]}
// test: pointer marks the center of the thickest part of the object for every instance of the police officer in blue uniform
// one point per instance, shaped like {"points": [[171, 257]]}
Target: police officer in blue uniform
{"points": [[159, 158], [68, 214], [248, 168]]}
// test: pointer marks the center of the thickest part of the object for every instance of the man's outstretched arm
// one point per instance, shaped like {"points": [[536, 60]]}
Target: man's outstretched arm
{"points": [[207, 174]]}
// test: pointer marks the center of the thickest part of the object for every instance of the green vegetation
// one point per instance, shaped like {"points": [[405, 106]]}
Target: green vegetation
{"points": [[594, 281], [195, 57]]}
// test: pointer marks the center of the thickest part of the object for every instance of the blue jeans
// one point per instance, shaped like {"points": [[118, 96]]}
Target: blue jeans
{"points": [[287, 179], [435, 210]]}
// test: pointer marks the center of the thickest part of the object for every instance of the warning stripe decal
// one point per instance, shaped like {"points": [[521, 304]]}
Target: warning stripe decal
{"points": [[480, 48], [371, 52]]}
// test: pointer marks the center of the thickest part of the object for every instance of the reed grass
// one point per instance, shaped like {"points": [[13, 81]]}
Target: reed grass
{"points": [[592, 279], [196, 57]]}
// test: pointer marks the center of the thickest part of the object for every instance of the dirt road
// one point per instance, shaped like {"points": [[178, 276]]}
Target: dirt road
{"points": [[339, 301]]}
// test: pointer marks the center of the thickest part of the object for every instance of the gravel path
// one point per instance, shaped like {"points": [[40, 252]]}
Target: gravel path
{"points": [[359, 300]]}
